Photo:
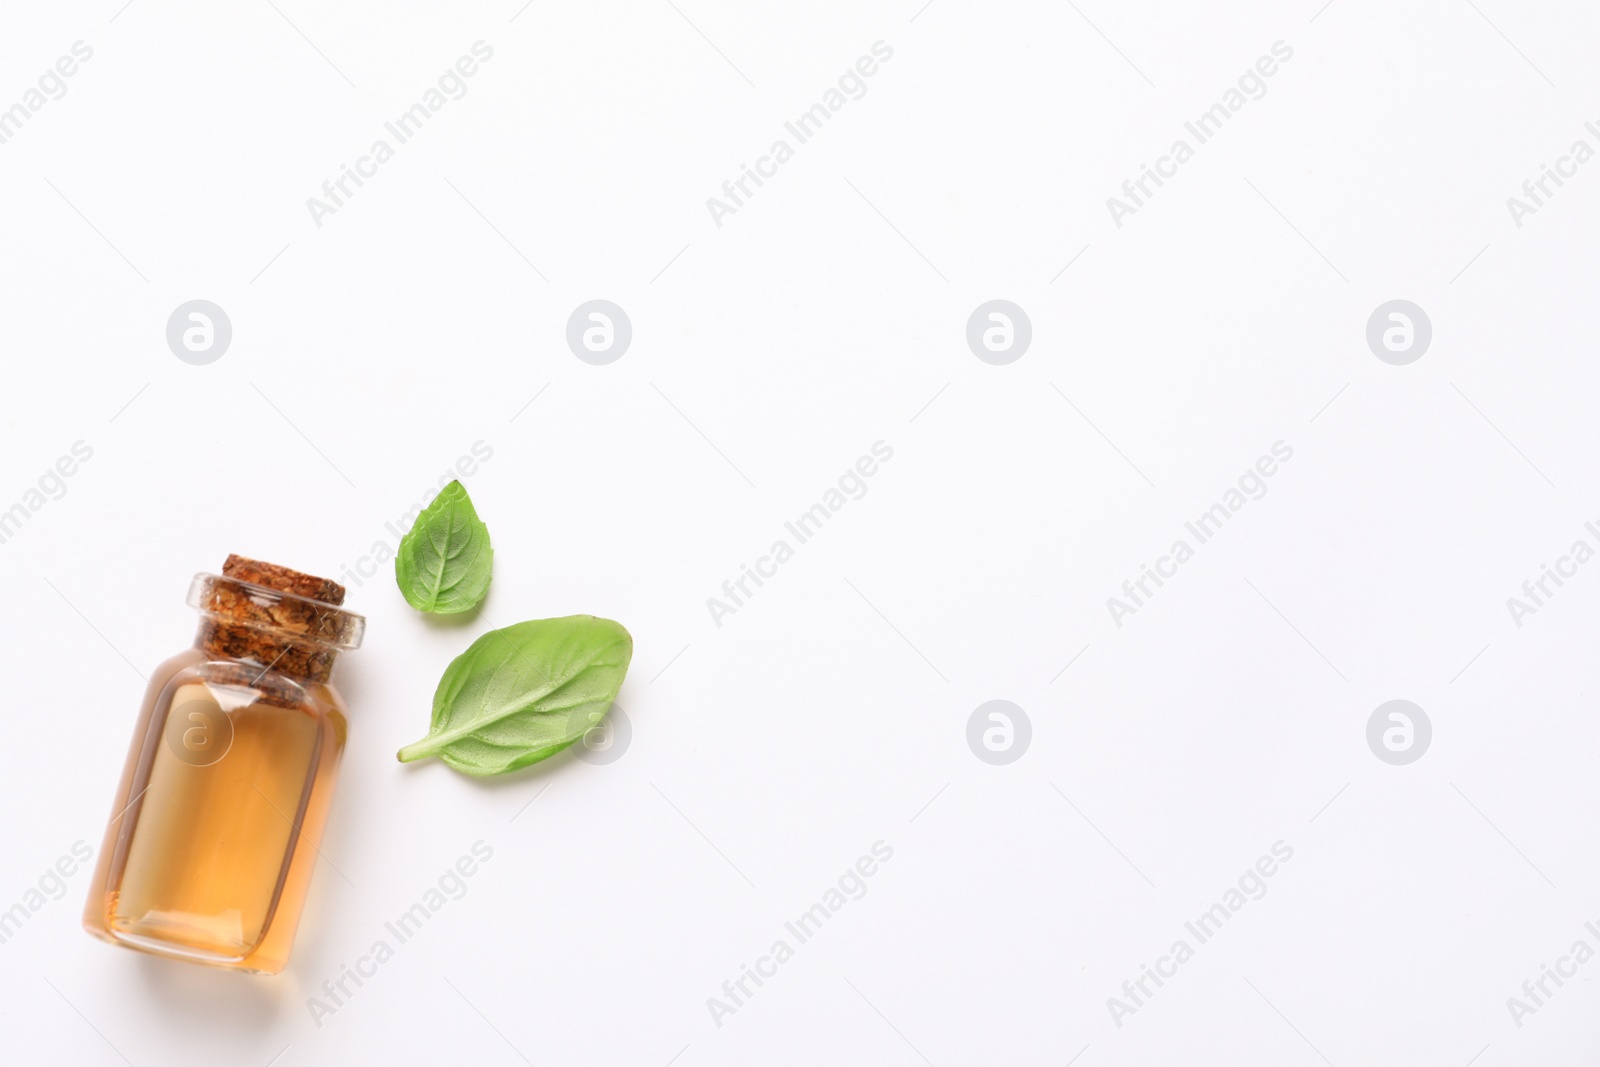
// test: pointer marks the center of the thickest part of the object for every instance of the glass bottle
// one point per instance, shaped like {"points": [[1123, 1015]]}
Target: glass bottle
{"points": [[217, 822]]}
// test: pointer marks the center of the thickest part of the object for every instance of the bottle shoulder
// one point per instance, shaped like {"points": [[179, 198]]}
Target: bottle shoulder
{"points": [[237, 682], [172, 666]]}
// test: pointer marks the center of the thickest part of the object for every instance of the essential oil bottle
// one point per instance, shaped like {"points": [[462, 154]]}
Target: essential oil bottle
{"points": [[216, 825]]}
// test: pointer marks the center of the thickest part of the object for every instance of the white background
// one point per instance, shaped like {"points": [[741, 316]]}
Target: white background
{"points": [[830, 711]]}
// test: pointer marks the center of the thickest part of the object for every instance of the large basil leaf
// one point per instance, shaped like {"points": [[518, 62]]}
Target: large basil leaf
{"points": [[524, 693], [444, 563]]}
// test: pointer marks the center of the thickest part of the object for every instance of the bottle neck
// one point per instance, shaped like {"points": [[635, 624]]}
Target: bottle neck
{"points": [[269, 618], [265, 650]]}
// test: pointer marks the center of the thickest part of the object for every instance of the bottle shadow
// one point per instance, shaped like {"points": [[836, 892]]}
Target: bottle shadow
{"points": [[184, 997]]}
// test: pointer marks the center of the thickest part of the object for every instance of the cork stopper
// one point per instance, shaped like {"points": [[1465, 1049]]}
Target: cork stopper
{"points": [[283, 579], [274, 618]]}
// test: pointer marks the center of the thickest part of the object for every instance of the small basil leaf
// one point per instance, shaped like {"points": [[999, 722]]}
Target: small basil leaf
{"points": [[524, 693], [444, 563]]}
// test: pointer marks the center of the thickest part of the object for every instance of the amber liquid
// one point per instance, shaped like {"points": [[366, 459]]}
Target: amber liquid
{"points": [[225, 799]]}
